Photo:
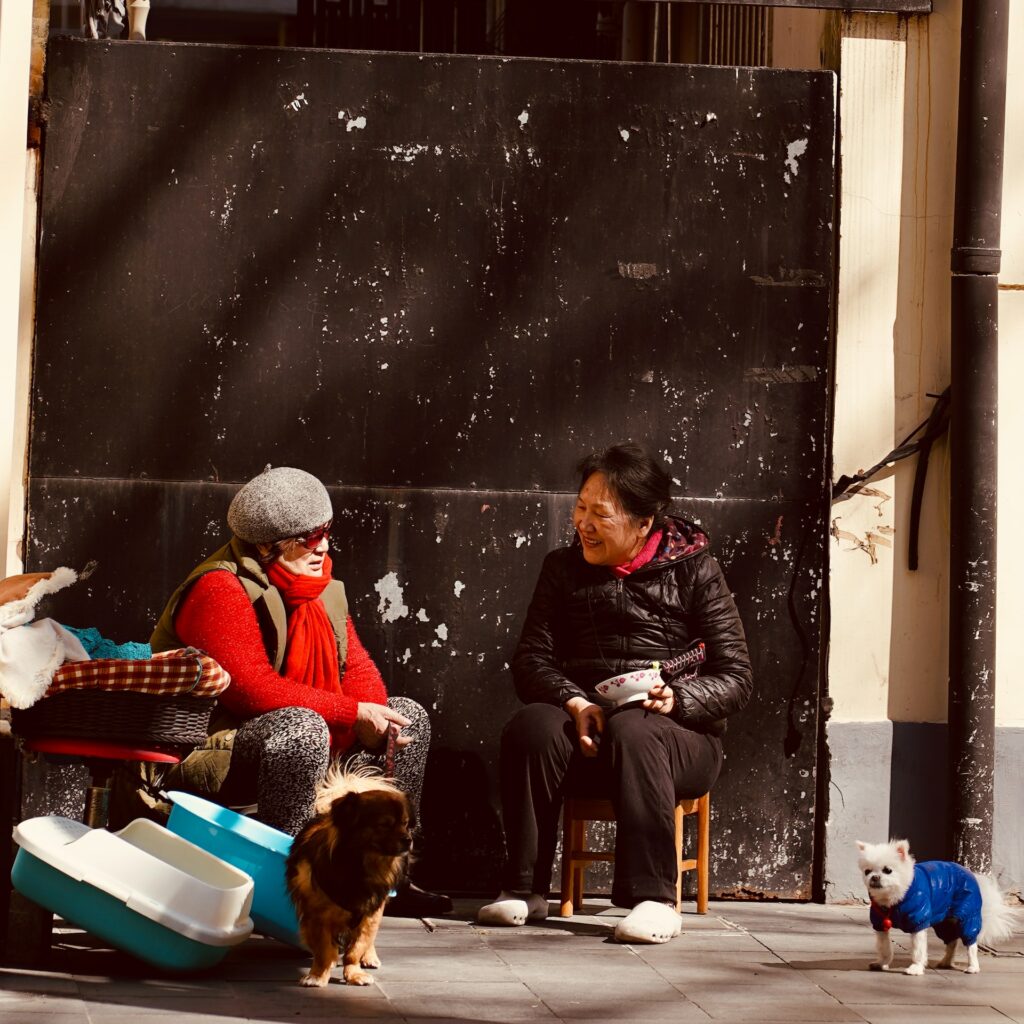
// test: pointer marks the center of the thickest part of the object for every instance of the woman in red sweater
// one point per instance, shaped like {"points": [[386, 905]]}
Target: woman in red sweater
{"points": [[303, 688]]}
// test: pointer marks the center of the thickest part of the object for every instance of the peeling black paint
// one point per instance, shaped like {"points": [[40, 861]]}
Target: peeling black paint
{"points": [[429, 280]]}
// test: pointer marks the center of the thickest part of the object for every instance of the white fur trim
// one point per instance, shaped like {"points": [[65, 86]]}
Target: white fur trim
{"points": [[30, 654]]}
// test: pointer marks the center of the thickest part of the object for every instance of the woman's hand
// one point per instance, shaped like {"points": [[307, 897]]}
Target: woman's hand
{"points": [[589, 719], [372, 724], [660, 699]]}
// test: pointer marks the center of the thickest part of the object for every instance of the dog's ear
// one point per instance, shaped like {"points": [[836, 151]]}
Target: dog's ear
{"points": [[902, 848], [345, 813], [861, 846]]}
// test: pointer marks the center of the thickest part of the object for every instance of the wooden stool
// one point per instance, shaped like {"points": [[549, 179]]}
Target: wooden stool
{"points": [[577, 812]]}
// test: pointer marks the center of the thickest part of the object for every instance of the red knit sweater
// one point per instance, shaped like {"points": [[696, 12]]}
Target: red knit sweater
{"points": [[217, 617]]}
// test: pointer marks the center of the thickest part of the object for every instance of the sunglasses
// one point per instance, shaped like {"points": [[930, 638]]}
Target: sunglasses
{"points": [[312, 540]]}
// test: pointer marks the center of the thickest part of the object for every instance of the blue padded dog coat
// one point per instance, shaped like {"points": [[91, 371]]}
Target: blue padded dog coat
{"points": [[943, 896]]}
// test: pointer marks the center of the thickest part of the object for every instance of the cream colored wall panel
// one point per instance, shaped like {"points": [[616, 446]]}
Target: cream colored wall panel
{"points": [[919, 635], [1010, 552], [873, 58], [921, 333], [861, 612], [898, 152], [872, 61], [15, 61], [1012, 240]]}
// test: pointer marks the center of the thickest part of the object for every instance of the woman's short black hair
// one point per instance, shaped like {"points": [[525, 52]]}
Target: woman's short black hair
{"points": [[642, 485]]}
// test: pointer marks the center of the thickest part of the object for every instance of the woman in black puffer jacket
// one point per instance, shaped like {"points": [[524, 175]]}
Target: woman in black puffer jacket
{"points": [[636, 586]]}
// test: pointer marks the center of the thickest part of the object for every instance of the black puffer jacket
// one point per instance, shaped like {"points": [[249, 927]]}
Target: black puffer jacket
{"points": [[585, 624]]}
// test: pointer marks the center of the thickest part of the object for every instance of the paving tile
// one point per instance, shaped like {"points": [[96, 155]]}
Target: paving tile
{"points": [[737, 964], [498, 1001], [861, 941], [40, 982], [1000, 964], [723, 940], [125, 1010], [335, 1001], [934, 988], [584, 969], [33, 1009], [1012, 1009], [154, 995], [104, 1015], [432, 969], [33, 1015], [790, 918], [589, 1008], [916, 1014], [770, 975], [609, 989], [742, 962], [827, 961], [749, 1002]]}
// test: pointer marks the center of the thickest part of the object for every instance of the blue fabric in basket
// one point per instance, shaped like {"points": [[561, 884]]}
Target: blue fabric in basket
{"points": [[98, 646]]}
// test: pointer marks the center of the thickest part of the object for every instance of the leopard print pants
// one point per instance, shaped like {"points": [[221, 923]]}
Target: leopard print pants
{"points": [[286, 754]]}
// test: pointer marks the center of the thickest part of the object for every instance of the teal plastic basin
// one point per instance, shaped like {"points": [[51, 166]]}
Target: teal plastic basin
{"points": [[143, 890], [109, 919], [249, 845]]}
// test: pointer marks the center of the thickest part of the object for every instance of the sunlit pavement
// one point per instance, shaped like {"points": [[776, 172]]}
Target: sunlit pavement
{"points": [[740, 962]]}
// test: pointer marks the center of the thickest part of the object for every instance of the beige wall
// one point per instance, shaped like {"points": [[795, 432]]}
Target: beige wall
{"points": [[1010, 591], [862, 578], [16, 254], [898, 86]]}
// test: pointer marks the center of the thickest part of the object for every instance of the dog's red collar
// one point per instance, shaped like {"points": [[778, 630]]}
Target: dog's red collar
{"points": [[883, 914]]}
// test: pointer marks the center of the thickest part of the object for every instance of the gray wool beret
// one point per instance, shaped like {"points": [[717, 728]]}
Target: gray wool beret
{"points": [[279, 503]]}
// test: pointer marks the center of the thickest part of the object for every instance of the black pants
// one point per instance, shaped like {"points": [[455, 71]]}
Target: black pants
{"points": [[646, 763]]}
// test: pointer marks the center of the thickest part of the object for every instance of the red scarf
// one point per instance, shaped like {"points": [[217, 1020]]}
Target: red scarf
{"points": [[312, 651], [645, 554]]}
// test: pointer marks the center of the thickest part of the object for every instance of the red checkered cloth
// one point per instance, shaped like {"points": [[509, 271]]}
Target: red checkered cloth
{"points": [[181, 671]]}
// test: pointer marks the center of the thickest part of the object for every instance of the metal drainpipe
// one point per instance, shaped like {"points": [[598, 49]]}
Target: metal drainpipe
{"points": [[973, 429]]}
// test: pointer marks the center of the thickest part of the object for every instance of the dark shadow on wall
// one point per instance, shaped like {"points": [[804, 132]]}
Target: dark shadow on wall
{"points": [[458, 807], [919, 789]]}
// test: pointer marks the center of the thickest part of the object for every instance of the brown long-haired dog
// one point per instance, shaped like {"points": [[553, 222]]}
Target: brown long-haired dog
{"points": [[342, 866]]}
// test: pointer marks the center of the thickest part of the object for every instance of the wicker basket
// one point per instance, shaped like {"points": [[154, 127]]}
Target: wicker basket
{"points": [[116, 716]]}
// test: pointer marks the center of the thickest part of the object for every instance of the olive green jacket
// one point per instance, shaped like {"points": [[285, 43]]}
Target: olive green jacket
{"points": [[206, 768], [240, 559]]}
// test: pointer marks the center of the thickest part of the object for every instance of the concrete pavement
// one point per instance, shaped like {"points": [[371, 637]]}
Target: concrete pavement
{"points": [[741, 962]]}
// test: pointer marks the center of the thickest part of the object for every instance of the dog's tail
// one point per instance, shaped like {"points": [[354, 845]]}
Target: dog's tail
{"points": [[342, 779], [998, 920]]}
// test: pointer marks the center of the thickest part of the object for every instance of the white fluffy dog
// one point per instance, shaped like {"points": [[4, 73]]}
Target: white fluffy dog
{"points": [[957, 903]]}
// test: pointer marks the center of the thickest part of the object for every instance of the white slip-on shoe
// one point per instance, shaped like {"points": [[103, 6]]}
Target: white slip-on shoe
{"points": [[512, 909], [649, 921]]}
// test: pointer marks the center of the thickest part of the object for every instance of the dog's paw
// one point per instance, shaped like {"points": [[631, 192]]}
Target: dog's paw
{"points": [[370, 960], [312, 980], [875, 965], [354, 976], [915, 969], [972, 969]]}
